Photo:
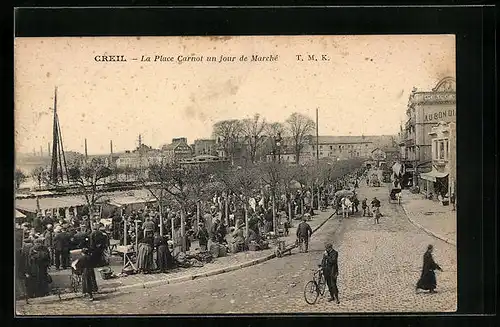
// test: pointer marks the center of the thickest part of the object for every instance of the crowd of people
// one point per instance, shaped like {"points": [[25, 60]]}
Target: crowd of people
{"points": [[48, 238]]}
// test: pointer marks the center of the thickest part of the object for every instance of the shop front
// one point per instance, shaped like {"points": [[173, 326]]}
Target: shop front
{"points": [[435, 185]]}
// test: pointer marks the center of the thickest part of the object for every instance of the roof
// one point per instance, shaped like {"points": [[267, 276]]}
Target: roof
{"points": [[19, 214], [30, 205], [124, 200], [42, 193]]}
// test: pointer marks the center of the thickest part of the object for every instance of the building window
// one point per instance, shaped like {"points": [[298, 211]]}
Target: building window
{"points": [[331, 147], [441, 150], [447, 154]]}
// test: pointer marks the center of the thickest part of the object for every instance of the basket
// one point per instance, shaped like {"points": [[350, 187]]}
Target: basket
{"points": [[106, 273], [215, 250], [253, 246]]}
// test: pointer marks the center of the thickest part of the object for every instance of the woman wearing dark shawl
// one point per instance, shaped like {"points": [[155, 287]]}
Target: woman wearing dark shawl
{"points": [[86, 265], [164, 258], [427, 279], [39, 262], [145, 262]]}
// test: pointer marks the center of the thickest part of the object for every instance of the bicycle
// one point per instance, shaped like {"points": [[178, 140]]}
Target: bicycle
{"points": [[75, 280], [315, 287]]}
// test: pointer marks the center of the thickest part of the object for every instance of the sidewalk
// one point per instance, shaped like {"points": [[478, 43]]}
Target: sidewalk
{"points": [[436, 219], [61, 279]]}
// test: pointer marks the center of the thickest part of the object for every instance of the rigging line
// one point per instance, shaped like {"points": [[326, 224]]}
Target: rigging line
{"points": [[62, 149], [59, 153]]}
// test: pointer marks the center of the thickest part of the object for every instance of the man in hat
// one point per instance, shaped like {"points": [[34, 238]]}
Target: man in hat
{"points": [[329, 265], [304, 232], [48, 241]]}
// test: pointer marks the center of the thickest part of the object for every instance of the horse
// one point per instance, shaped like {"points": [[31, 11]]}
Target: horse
{"points": [[346, 207]]}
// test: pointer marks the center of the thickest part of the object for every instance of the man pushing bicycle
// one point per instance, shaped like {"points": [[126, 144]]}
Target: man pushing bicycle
{"points": [[330, 269]]}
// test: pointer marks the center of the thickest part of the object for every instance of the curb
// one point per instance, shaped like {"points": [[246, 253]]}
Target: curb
{"points": [[70, 296], [428, 231]]}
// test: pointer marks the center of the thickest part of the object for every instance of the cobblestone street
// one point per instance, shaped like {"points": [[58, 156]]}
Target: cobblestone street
{"points": [[379, 267]]}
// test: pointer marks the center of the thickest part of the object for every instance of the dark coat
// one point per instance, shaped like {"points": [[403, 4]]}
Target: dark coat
{"points": [[202, 236], [304, 230], [329, 263], [61, 241], [427, 279], [164, 259], [89, 283]]}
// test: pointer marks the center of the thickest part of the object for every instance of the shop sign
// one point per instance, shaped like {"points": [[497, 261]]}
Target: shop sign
{"points": [[442, 115]]}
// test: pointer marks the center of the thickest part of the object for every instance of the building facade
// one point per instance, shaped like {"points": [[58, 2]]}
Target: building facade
{"points": [[424, 111], [177, 150], [138, 160], [205, 147], [441, 180]]}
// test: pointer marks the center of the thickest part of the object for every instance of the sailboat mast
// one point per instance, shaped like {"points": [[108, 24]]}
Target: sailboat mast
{"points": [[53, 172], [62, 150]]}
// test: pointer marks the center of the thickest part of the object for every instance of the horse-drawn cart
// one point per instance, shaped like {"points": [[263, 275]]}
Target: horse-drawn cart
{"points": [[395, 193]]}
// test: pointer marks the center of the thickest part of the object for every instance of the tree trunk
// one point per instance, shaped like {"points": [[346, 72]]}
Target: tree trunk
{"points": [[198, 212], [275, 228], [319, 198], [160, 210], [290, 210], [173, 230], [183, 231], [246, 219], [226, 210]]}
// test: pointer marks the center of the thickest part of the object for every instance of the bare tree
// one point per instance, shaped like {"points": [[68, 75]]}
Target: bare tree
{"points": [[252, 130], [89, 178], [242, 181], [275, 128], [228, 132], [183, 184], [299, 126], [19, 178]]}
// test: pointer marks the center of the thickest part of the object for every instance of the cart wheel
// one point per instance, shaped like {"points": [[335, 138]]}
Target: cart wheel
{"points": [[278, 253], [311, 292]]}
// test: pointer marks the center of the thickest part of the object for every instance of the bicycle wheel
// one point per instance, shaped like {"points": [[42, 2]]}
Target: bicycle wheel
{"points": [[74, 283], [322, 285], [311, 292]]}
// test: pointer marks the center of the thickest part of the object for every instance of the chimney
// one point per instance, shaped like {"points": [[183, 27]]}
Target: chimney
{"points": [[111, 147], [86, 154]]}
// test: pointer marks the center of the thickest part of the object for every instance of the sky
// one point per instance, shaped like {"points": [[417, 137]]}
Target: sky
{"points": [[362, 89]]}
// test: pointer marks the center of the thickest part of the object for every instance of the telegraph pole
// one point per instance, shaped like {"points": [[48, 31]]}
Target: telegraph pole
{"points": [[317, 136]]}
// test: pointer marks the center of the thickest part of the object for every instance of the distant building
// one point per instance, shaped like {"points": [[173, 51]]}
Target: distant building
{"points": [[205, 160], [138, 160], [205, 147], [347, 147], [177, 150]]}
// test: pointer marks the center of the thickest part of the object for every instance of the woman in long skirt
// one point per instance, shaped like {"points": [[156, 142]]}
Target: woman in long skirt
{"points": [[427, 279], [162, 253], [89, 283], [145, 262]]}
